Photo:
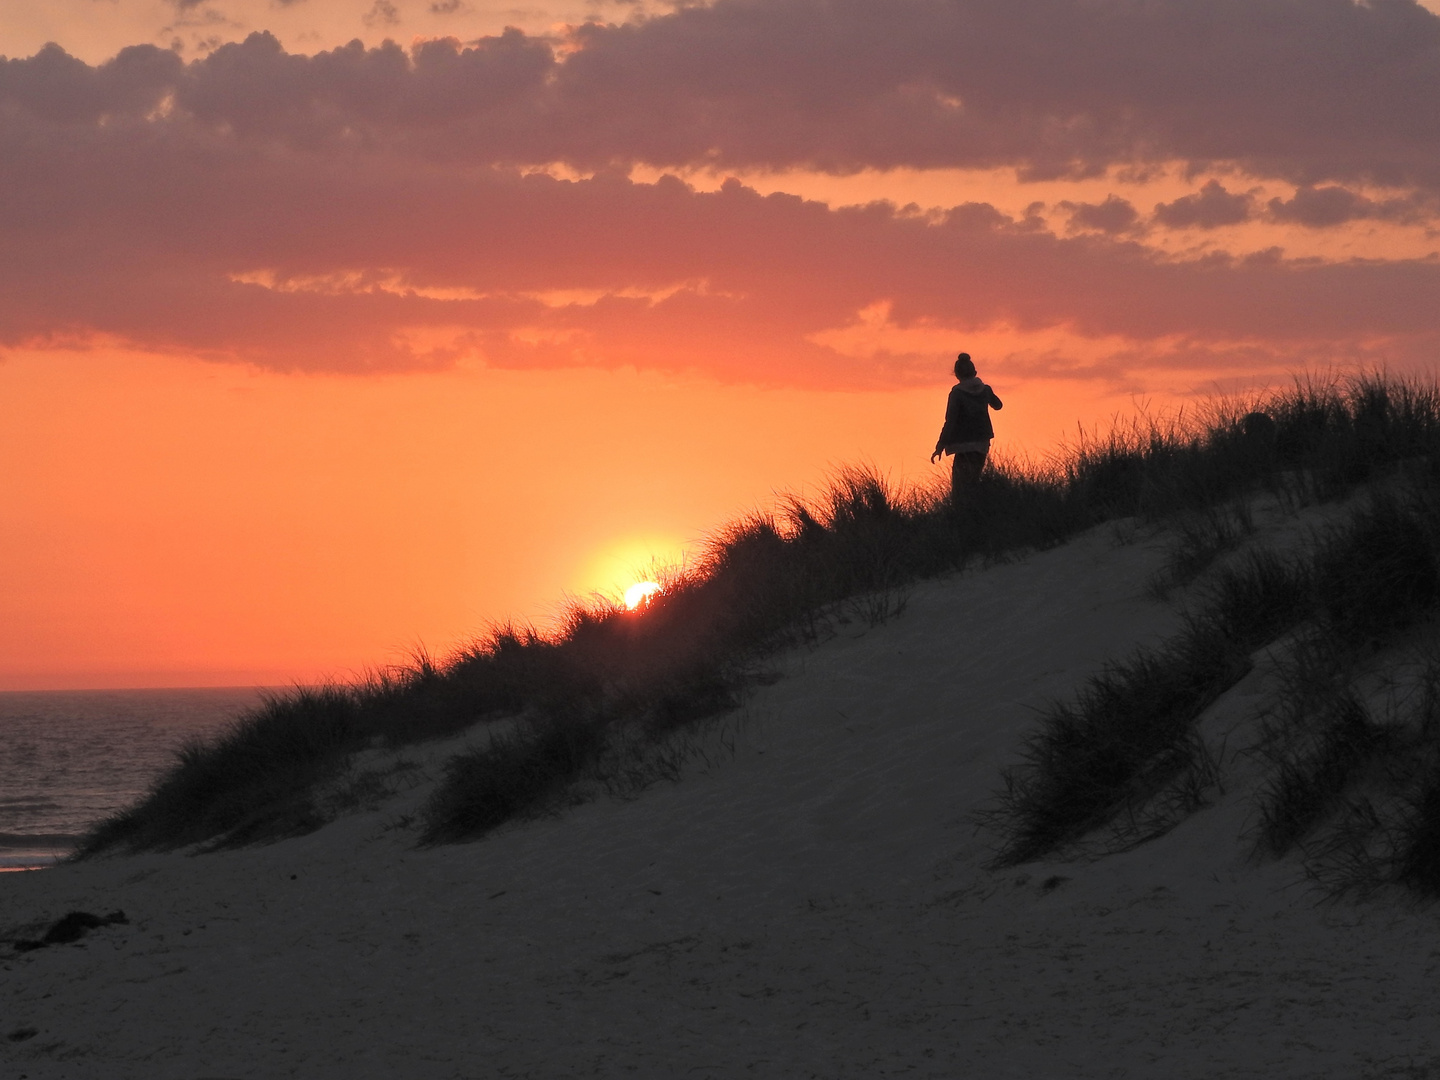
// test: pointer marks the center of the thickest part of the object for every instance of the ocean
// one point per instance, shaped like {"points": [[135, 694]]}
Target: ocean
{"points": [[69, 758]]}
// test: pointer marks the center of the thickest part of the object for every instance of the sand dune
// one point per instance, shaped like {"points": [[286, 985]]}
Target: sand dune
{"points": [[810, 903]]}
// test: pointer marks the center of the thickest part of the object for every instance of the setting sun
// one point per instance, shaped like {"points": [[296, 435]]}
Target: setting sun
{"points": [[640, 592]]}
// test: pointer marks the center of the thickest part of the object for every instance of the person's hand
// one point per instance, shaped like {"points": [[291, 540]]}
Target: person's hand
{"points": [[935, 457]]}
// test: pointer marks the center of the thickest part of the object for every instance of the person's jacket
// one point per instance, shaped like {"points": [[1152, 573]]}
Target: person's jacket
{"points": [[967, 413]]}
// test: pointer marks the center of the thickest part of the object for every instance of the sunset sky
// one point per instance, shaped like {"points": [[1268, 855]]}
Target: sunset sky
{"points": [[331, 328]]}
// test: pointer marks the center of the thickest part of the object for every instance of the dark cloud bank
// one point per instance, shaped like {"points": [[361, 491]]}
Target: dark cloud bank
{"points": [[362, 181]]}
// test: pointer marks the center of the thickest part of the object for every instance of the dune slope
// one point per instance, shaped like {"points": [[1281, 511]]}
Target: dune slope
{"points": [[812, 902]]}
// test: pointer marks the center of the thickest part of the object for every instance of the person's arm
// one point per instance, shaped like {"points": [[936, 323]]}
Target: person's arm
{"points": [[995, 402], [950, 406]]}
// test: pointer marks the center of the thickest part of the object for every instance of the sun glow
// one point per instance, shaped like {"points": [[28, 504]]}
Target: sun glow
{"points": [[640, 593], [631, 569]]}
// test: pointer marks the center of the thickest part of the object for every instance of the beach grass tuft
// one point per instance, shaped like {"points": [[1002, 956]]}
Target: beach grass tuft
{"points": [[1124, 741], [1308, 783], [252, 783]]}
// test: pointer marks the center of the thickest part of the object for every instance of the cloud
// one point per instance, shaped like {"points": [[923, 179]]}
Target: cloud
{"points": [[1325, 207], [372, 209], [381, 13], [1313, 92], [1115, 215], [343, 261], [1209, 208]]}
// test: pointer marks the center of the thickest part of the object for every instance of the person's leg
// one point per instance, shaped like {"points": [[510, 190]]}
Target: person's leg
{"points": [[966, 469]]}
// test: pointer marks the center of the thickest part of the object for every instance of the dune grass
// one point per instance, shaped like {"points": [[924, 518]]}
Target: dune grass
{"points": [[1128, 739], [1124, 750], [1125, 747], [1125, 740], [786, 577], [1308, 784], [1353, 748], [1370, 782]]}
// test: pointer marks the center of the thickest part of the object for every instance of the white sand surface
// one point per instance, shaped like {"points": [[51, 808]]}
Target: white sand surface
{"points": [[814, 904]]}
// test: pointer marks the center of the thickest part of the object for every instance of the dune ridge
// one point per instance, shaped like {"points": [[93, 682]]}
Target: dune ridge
{"points": [[573, 707]]}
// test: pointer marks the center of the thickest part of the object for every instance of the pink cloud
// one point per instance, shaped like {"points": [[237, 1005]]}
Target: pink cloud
{"points": [[361, 209], [1323, 207], [1114, 216], [1304, 89], [1209, 208]]}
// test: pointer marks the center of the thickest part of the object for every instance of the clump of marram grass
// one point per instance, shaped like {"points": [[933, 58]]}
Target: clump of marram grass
{"points": [[1126, 739], [1131, 729], [765, 582], [251, 783], [1127, 743], [1309, 782], [1356, 794], [516, 773], [1383, 570], [1259, 596], [1201, 538], [1384, 830]]}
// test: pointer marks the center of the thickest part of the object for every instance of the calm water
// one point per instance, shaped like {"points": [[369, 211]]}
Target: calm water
{"points": [[69, 758]]}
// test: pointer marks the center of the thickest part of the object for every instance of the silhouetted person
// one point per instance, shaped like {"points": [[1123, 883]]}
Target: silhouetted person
{"points": [[967, 431]]}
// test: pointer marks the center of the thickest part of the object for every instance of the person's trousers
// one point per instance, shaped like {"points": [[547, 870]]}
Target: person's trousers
{"points": [[966, 468]]}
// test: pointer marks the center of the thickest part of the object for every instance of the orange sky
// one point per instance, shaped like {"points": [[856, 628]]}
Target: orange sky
{"points": [[172, 522], [309, 357]]}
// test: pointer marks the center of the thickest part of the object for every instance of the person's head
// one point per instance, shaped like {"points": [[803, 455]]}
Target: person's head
{"points": [[964, 366]]}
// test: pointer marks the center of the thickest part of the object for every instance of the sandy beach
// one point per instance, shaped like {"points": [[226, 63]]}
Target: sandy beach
{"points": [[809, 900]]}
